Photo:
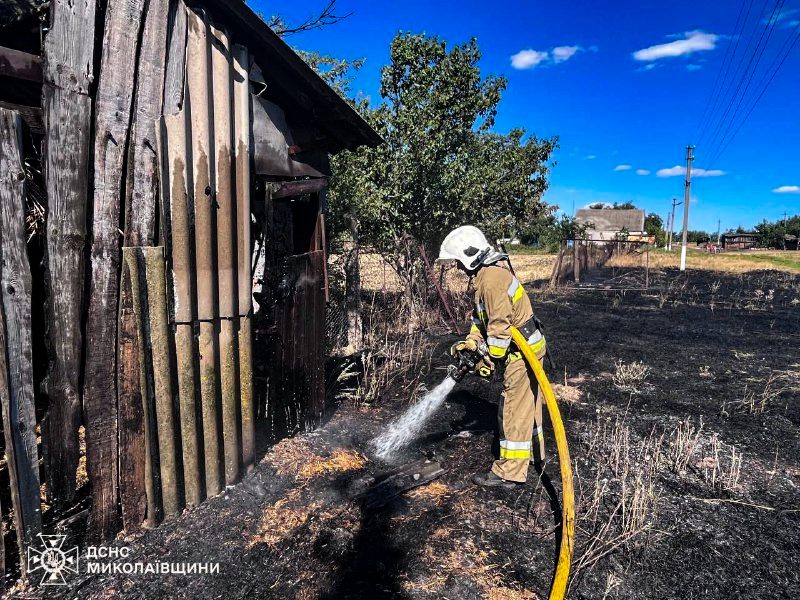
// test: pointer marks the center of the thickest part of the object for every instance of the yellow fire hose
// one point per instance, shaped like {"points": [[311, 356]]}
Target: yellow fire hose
{"points": [[559, 586]]}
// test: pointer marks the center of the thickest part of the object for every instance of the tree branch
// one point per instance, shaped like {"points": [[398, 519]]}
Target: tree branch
{"points": [[327, 17]]}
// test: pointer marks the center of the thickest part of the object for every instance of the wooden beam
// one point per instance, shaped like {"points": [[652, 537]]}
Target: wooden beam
{"points": [[16, 363], [68, 74], [287, 189], [20, 65], [112, 117]]}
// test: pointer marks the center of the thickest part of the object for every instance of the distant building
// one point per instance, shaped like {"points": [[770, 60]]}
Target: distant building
{"points": [[790, 242], [739, 241], [609, 223]]}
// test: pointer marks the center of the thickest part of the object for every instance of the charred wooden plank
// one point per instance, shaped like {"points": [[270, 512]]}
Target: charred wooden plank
{"points": [[131, 388], [113, 103], [16, 369], [20, 65], [135, 277], [68, 74], [288, 189], [401, 480], [142, 182]]}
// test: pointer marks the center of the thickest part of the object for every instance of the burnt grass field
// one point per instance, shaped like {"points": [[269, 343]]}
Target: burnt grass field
{"points": [[682, 410]]}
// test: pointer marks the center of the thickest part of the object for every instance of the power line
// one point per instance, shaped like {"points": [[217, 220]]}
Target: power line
{"points": [[757, 52], [791, 42], [726, 63], [727, 84], [768, 31]]}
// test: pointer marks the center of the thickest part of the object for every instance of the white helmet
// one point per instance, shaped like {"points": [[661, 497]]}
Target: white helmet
{"points": [[470, 247]]}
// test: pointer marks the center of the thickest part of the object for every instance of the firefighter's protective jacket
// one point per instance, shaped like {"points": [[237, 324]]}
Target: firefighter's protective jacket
{"points": [[500, 302]]}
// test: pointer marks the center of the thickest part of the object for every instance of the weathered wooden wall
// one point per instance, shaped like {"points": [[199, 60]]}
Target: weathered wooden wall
{"points": [[68, 75], [16, 369], [163, 382], [113, 102]]}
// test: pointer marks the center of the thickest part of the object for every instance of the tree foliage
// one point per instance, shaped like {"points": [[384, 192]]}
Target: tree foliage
{"points": [[654, 225], [442, 165], [773, 235]]}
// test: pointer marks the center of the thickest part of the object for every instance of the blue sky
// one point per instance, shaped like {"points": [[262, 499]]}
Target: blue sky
{"points": [[623, 84]]}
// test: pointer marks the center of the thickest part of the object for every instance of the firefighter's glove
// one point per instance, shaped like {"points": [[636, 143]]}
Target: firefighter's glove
{"points": [[469, 345], [484, 368]]}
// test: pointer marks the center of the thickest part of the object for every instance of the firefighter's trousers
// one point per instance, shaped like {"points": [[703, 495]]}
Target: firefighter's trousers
{"points": [[520, 418]]}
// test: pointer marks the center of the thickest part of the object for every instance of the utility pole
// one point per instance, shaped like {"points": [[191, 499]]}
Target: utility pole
{"points": [[785, 214], [672, 222], [686, 198]]}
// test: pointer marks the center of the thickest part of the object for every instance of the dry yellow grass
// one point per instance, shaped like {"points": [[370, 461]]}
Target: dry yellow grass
{"points": [[280, 520], [726, 262], [435, 492], [340, 461]]}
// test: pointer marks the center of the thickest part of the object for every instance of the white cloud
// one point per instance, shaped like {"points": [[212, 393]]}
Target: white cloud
{"points": [[527, 59], [787, 189], [590, 157], [530, 58], [623, 168], [642, 172], [678, 171], [692, 41], [562, 53]]}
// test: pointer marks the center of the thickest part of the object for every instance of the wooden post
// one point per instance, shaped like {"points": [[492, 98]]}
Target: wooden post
{"points": [[554, 276], [143, 179], [16, 366], [241, 129], [68, 74], [112, 118], [159, 340], [197, 72], [576, 260]]}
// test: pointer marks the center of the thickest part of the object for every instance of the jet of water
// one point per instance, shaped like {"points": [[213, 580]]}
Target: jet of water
{"points": [[406, 428]]}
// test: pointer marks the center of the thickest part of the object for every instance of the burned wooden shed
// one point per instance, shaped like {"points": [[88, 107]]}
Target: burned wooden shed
{"points": [[162, 202]]}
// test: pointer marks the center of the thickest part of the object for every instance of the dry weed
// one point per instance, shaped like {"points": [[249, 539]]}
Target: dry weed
{"points": [[759, 402], [683, 444], [615, 511], [630, 377]]}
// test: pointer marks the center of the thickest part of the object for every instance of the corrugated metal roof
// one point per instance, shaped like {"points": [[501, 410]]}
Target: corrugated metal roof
{"points": [[291, 79], [609, 219]]}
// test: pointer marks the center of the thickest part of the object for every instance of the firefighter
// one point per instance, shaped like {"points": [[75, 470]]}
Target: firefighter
{"points": [[500, 302]]}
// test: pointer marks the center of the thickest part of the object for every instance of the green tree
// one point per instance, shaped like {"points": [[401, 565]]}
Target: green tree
{"points": [[654, 225], [442, 165]]}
